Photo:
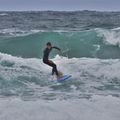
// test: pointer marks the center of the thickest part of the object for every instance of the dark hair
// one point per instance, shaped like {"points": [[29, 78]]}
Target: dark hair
{"points": [[49, 44]]}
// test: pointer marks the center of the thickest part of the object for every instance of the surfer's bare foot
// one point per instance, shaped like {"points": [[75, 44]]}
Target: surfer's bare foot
{"points": [[59, 76], [60, 73]]}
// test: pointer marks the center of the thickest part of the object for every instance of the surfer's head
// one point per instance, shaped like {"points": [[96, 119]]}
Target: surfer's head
{"points": [[49, 45]]}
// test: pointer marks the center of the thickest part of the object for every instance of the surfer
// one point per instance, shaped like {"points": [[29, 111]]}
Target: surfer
{"points": [[46, 58]]}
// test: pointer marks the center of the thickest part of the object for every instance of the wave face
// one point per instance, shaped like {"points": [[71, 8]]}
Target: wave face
{"points": [[79, 34], [94, 43]]}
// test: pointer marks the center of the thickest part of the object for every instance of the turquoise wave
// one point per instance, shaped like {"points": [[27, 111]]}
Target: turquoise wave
{"points": [[94, 43]]}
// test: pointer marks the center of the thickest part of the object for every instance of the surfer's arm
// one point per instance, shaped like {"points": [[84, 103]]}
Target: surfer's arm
{"points": [[57, 48]]}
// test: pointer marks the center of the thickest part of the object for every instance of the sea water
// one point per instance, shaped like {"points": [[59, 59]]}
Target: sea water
{"points": [[90, 44]]}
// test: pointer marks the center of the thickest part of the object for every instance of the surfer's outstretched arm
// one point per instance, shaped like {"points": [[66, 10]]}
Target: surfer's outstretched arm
{"points": [[56, 48]]}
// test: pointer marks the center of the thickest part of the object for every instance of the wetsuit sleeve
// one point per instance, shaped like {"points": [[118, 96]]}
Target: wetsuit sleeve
{"points": [[56, 48]]}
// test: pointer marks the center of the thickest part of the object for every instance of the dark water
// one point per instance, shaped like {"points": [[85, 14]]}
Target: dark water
{"points": [[51, 20]]}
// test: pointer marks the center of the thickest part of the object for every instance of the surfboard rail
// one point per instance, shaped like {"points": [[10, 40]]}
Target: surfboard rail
{"points": [[63, 78]]}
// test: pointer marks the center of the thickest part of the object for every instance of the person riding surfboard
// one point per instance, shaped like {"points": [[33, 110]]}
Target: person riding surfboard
{"points": [[46, 60]]}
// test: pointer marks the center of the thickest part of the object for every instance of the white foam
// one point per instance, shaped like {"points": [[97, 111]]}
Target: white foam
{"points": [[111, 37], [118, 28], [92, 73], [13, 31], [93, 66], [96, 108], [19, 32], [3, 14], [61, 104], [75, 66]]}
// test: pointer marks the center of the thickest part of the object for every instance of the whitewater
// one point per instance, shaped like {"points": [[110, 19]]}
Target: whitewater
{"points": [[90, 43]]}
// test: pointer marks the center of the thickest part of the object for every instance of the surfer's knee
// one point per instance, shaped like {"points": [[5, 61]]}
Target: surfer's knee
{"points": [[54, 66]]}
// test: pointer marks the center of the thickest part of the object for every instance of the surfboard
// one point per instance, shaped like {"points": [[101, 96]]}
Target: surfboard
{"points": [[63, 78]]}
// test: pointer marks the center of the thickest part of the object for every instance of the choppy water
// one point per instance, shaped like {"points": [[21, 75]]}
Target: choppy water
{"points": [[90, 43]]}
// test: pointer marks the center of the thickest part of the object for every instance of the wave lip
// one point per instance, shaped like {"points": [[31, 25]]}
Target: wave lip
{"points": [[111, 37], [3, 14], [93, 43]]}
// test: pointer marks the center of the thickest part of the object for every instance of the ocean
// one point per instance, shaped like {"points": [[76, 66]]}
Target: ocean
{"points": [[90, 44]]}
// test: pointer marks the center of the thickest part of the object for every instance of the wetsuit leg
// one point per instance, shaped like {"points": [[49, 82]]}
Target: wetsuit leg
{"points": [[54, 70]]}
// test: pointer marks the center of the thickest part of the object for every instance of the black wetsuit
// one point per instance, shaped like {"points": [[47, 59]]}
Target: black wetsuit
{"points": [[46, 60]]}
